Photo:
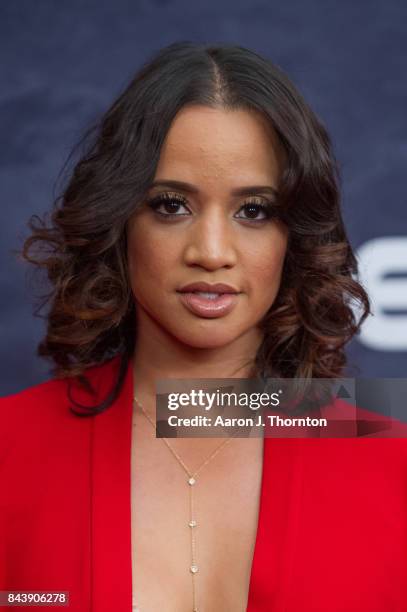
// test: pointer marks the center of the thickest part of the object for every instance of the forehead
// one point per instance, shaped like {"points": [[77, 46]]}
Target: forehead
{"points": [[216, 143]]}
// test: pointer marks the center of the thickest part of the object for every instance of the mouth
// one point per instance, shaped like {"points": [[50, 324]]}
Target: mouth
{"points": [[209, 304]]}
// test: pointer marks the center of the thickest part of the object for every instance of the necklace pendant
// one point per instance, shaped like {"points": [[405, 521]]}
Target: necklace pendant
{"points": [[191, 481]]}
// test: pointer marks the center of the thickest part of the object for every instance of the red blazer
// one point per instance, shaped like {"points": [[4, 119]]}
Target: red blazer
{"points": [[332, 528]]}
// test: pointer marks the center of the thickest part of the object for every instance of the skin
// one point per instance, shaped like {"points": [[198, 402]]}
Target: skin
{"points": [[217, 151]]}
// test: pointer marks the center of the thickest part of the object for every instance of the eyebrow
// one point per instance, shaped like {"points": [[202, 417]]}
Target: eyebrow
{"points": [[240, 191]]}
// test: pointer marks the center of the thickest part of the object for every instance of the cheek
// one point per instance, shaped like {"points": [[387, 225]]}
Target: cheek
{"points": [[265, 263], [149, 256]]}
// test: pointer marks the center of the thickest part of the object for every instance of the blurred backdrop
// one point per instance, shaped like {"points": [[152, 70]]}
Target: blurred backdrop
{"points": [[63, 63]]}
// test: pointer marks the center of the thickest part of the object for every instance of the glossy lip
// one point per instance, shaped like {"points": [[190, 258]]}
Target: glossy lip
{"points": [[207, 307], [208, 287]]}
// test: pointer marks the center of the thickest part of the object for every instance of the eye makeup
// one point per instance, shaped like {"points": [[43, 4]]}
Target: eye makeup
{"points": [[172, 202]]}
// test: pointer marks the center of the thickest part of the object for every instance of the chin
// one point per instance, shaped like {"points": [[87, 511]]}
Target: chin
{"points": [[206, 338]]}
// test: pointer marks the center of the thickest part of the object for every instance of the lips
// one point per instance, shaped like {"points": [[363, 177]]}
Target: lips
{"points": [[209, 300], [208, 288]]}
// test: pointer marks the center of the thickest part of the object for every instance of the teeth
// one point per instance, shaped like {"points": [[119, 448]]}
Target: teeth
{"points": [[211, 296]]}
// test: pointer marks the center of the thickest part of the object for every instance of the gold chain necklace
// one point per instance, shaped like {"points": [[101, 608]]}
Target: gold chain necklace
{"points": [[192, 523]]}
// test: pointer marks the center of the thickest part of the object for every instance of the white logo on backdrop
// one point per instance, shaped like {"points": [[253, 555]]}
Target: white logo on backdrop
{"points": [[383, 274]]}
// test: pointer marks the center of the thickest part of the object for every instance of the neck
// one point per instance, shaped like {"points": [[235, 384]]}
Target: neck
{"points": [[160, 356]]}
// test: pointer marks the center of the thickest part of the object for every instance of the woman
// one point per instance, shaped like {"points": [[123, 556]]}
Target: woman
{"points": [[209, 170]]}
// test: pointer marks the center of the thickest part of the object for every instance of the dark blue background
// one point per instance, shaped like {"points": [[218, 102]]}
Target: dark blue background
{"points": [[64, 62]]}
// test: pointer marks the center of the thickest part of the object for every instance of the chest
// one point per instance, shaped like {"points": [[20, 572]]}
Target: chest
{"points": [[225, 505]]}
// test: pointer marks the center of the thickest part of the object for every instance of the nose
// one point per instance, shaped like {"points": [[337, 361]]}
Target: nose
{"points": [[210, 242]]}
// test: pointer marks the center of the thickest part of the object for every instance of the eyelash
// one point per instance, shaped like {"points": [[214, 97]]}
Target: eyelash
{"points": [[268, 208]]}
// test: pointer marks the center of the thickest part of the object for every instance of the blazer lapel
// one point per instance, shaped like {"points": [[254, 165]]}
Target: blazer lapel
{"points": [[111, 583], [277, 523]]}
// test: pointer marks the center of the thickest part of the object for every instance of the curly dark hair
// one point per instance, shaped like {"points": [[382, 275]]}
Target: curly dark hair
{"points": [[91, 310]]}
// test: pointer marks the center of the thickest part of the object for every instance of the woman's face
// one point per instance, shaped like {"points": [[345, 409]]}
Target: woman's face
{"points": [[207, 231]]}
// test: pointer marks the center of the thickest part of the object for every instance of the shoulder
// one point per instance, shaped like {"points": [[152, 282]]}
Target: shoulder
{"points": [[41, 410], [48, 392], [37, 403], [352, 440], [359, 422], [45, 394], [357, 438]]}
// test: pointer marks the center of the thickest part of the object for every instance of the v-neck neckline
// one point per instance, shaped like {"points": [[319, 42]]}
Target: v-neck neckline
{"points": [[111, 550]]}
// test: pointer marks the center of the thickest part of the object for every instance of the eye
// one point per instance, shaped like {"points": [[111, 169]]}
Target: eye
{"points": [[168, 202], [257, 207], [170, 205]]}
